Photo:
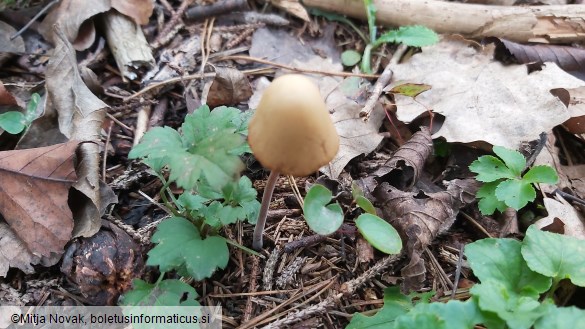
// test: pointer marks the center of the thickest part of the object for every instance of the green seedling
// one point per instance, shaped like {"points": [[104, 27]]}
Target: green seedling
{"points": [[15, 122], [325, 218], [505, 185], [414, 36], [518, 282], [203, 159]]}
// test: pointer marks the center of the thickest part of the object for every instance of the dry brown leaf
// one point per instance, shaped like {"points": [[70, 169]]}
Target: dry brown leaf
{"points": [[292, 7], [6, 44], [481, 99], [406, 165], [13, 252], [573, 222], [6, 98], [33, 195], [576, 124], [81, 115], [74, 17], [567, 58], [229, 87], [420, 217]]}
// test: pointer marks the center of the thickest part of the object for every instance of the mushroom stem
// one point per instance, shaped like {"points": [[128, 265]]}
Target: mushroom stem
{"points": [[261, 222]]}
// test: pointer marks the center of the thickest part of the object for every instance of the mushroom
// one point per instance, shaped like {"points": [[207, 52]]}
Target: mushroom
{"points": [[290, 133]]}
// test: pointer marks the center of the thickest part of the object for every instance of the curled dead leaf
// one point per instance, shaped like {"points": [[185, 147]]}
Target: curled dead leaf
{"points": [[420, 218]]}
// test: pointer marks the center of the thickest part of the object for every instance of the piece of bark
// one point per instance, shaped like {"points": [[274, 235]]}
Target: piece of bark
{"points": [[546, 24], [128, 44]]}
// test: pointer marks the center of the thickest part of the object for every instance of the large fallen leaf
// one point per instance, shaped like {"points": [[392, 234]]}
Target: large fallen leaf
{"points": [[572, 222], [81, 115], [34, 188], [74, 16], [482, 99]]}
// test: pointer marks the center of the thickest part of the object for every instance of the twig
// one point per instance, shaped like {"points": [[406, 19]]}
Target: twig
{"points": [[569, 197], [34, 19], [457, 271], [105, 160], [216, 9], [383, 80], [173, 22], [541, 143], [476, 224], [297, 69]]}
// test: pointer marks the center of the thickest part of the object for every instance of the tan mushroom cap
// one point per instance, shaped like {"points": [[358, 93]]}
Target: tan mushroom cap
{"points": [[291, 131]]}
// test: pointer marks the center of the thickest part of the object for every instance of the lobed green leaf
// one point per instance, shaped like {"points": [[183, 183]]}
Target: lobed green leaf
{"points": [[515, 193], [13, 122], [489, 168], [541, 174], [514, 160], [488, 203], [413, 36]]}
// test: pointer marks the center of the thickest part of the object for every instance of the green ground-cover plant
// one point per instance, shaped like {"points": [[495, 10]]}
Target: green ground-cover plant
{"points": [[414, 36], [518, 281], [203, 159], [504, 184], [15, 122], [326, 218]]}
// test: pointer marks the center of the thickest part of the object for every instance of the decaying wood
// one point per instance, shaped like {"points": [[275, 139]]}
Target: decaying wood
{"points": [[547, 24], [128, 44]]}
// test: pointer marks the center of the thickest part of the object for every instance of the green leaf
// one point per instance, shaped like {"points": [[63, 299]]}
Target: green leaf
{"points": [[541, 174], [203, 257], [170, 238], [500, 260], [519, 311], [366, 205], [164, 293], [387, 37], [488, 202], [13, 122], [513, 159], [413, 36], [211, 159], [236, 193], [410, 89], [395, 304], [561, 318], [350, 57], [371, 15], [179, 245], [159, 142], [191, 202], [452, 315], [515, 193], [555, 255], [489, 168], [31, 109], [379, 233], [322, 218]]}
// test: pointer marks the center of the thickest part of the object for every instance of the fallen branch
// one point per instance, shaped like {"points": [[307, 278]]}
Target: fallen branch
{"points": [[547, 24]]}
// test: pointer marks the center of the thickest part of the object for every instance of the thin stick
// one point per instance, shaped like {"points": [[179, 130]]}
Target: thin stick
{"points": [[34, 19], [383, 80], [106, 151], [297, 69], [457, 271], [266, 197]]}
